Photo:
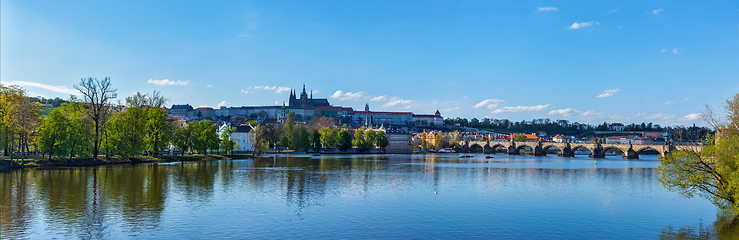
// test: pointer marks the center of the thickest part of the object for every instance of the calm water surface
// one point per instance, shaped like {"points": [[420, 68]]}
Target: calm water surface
{"points": [[393, 197]]}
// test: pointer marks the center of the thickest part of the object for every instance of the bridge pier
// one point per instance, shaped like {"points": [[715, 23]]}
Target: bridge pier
{"points": [[567, 151], [631, 154], [538, 151]]}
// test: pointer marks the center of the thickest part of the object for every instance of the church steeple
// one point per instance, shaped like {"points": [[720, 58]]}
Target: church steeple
{"points": [[303, 93]]}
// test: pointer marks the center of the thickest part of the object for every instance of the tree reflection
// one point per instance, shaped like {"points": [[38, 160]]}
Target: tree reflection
{"points": [[726, 226], [15, 207]]}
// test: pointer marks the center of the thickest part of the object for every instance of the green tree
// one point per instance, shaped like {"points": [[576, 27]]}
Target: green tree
{"points": [[125, 135], [359, 140], [439, 141], [158, 130], [184, 137], [304, 141], [344, 140], [295, 138], [53, 134], [520, 138], [315, 140], [227, 143], [381, 140], [370, 137], [260, 142], [328, 137], [79, 128], [713, 172], [284, 141]]}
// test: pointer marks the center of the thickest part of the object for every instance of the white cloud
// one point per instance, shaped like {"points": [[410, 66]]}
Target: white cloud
{"points": [[577, 25], [210, 85], [315, 91], [223, 104], [276, 88], [348, 96], [166, 82], [650, 97], [547, 9], [59, 89], [668, 102], [656, 11], [692, 116], [520, 109], [245, 91], [449, 109], [663, 50], [660, 116], [640, 114], [608, 92], [565, 112], [613, 11], [382, 98], [400, 103], [489, 103], [675, 51]]}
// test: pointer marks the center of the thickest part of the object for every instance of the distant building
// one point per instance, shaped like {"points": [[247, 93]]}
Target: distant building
{"points": [[399, 141], [243, 136], [560, 139], [428, 120], [620, 140], [179, 111], [642, 141], [202, 112], [616, 127], [305, 102], [382, 118]]}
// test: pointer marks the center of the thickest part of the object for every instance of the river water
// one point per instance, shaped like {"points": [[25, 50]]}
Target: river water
{"points": [[350, 197]]}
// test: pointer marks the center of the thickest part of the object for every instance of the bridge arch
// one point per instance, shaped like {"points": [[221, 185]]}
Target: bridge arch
{"points": [[495, 146], [547, 148], [622, 151], [575, 147]]}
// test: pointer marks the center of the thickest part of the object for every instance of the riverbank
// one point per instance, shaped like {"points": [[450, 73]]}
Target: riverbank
{"points": [[5, 163]]}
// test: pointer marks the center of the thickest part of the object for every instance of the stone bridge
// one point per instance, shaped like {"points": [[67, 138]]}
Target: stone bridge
{"points": [[597, 150]]}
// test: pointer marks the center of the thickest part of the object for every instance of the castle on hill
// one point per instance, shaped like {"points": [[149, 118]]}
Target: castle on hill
{"points": [[305, 102]]}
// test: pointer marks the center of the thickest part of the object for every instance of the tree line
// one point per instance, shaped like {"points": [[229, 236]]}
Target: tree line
{"points": [[571, 128], [321, 132]]}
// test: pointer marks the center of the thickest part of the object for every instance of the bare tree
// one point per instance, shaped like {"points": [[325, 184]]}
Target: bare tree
{"points": [[145, 100], [97, 94]]}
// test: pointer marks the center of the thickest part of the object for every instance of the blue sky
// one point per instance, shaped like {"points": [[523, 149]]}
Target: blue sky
{"points": [[585, 61]]}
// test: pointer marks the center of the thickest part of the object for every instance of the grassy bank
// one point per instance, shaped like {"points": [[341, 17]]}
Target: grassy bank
{"points": [[38, 161]]}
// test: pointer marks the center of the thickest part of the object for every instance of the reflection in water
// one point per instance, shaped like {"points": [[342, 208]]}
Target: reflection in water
{"points": [[428, 193], [725, 227]]}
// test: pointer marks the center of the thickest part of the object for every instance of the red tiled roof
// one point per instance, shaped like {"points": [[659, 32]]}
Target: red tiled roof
{"points": [[370, 112]]}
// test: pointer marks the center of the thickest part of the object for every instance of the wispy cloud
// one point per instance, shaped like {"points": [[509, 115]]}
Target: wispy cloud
{"points": [[663, 50], [564, 112], [692, 116], [608, 92], [276, 88], [449, 109], [382, 98], [167, 82], [547, 9], [657, 11], [223, 104], [663, 116], [675, 51], [59, 89], [400, 103], [489, 103], [668, 103], [578, 25], [613, 11], [210, 85], [348, 96], [518, 109]]}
